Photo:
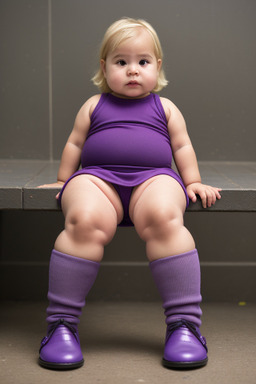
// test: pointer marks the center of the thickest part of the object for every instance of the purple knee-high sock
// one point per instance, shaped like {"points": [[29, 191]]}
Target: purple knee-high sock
{"points": [[178, 280], [70, 280]]}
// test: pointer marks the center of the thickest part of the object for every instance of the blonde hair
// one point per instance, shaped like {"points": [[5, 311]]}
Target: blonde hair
{"points": [[116, 34]]}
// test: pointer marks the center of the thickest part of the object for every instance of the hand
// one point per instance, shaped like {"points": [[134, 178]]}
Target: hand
{"points": [[59, 184], [207, 193]]}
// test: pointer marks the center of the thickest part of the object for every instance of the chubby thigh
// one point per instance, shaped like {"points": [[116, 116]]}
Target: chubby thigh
{"points": [[92, 192], [156, 208], [160, 190], [92, 210]]}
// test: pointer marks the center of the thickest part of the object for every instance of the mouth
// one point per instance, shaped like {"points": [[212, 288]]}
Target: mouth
{"points": [[133, 83]]}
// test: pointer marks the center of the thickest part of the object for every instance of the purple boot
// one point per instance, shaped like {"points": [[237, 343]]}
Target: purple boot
{"points": [[178, 281], [70, 280], [60, 349]]}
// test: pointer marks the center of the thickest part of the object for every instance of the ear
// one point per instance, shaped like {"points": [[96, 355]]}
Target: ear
{"points": [[103, 66], [159, 64]]}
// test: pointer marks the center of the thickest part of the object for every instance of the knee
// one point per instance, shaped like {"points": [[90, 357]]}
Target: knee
{"points": [[159, 222], [89, 226]]}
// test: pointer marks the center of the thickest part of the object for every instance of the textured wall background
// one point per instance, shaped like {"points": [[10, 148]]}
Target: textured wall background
{"points": [[48, 53]]}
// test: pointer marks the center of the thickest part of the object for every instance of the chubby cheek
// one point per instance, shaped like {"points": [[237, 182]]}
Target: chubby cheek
{"points": [[114, 80], [150, 81]]}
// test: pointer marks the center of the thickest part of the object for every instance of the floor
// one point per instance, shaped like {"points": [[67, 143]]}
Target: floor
{"points": [[123, 343]]}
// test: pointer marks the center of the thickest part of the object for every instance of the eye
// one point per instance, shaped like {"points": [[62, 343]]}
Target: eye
{"points": [[122, 63], [143, 62]]}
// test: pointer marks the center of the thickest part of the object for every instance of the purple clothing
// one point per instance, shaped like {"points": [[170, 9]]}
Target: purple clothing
{"points": [[127, 143], [178, 280]]}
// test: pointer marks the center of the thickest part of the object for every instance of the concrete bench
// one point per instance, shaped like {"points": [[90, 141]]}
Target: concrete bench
{"points": [[30, 220], [19, 180]]}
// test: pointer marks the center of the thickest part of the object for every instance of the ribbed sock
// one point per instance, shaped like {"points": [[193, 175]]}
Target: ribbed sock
{"points": [[178, 279], [70, 280]]}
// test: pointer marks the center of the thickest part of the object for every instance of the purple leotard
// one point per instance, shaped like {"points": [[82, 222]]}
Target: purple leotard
{"points": [[127, 143]]}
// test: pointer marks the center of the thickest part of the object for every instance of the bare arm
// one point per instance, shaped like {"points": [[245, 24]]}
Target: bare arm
{"points": [[71, 155], [185, 157]]}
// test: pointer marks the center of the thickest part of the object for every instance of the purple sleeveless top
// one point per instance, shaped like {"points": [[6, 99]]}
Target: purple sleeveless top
{"points": [[128, 142]]}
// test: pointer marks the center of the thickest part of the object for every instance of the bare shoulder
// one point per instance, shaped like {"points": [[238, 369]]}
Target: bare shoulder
{"points": [[83, 117], [172, 112], [89, 106]]}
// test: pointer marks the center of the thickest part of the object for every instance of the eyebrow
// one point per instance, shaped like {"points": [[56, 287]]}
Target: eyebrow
{"points": [[146, 55]]}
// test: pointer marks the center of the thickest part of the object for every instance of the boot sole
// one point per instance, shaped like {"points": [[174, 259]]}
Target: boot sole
{"points": [[183, 365], [60, 366]]}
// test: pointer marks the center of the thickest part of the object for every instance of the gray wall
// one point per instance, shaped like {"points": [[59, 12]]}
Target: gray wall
{"points": [[48, 52]]}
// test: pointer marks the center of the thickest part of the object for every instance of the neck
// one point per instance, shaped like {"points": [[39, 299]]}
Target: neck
{"points": [[130, 98]]}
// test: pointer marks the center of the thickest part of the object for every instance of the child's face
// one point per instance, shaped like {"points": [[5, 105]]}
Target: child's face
{"points": [[132, 69]]}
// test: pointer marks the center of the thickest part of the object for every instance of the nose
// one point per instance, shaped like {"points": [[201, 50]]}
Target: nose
{"points": [[132, 70]]}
